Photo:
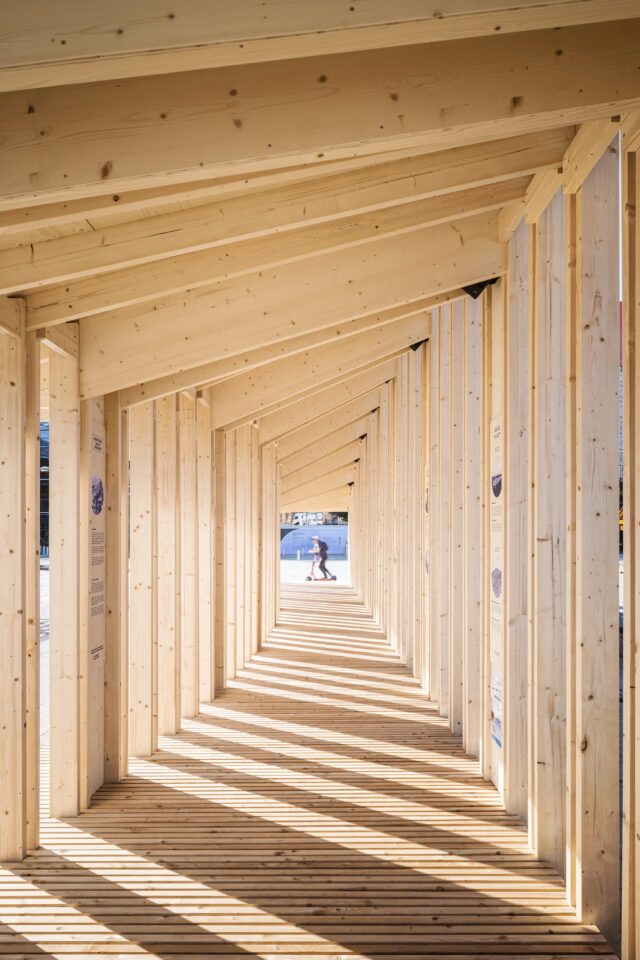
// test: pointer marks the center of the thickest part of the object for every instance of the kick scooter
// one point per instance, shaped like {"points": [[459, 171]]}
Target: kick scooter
{"points": [[312, 575]]}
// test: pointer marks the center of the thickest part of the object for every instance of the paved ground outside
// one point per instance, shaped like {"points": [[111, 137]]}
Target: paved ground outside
{"points": [[297, 571]]}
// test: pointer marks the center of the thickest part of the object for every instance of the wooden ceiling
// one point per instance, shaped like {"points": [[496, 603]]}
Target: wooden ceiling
{"points": [[269, 197]]}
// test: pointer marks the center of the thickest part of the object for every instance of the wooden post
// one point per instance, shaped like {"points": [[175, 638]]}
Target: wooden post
{"points": [[32, 584], [255, 539], [116, 592], [187, 499], [516, 545], [167, 589], [433, 502], [444, 516], [240, 545], [205, 637], [92, 596], [142, 584], [497, 483], [485, 660], [13, 668], [593, 644], [230, 572], [220, 623], [472, 521], [64, 584], [457, 599], [631, 515], [547, 677]]}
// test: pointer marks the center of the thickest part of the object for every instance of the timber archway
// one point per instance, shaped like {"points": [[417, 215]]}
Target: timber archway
{"points": [[357, 257]]}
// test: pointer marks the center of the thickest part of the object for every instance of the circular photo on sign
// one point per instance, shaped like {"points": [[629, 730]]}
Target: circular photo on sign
{"points": [[97, 495]]}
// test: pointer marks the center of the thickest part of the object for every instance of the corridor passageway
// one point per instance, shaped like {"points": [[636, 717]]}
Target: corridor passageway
{"points": [[319, 808]]}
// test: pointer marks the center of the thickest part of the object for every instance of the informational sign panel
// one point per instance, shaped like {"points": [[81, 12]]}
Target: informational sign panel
{"points": [[97, 543], [496, 579]]}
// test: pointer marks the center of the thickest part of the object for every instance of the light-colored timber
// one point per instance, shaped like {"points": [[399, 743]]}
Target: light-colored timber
{"points": [[319, 808]]}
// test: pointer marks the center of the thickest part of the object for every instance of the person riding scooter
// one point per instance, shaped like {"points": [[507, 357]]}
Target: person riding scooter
{"points": [[321, 550]]}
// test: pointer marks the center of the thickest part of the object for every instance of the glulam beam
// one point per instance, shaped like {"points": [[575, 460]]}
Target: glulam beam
{"points": [[327, 444], [243, 118], [126, 347], [208, 374], [124, 263], [355, 392], [44, 49], [286, 381]]}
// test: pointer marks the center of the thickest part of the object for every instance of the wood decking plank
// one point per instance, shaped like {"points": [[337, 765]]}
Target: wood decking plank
{"points": [[319, 808]]}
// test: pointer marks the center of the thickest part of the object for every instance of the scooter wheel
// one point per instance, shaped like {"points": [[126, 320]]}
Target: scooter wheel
{"points": [[309, 578]]}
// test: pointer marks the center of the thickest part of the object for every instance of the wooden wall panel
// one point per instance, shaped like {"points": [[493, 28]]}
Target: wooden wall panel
{"points": [[142, 606], [230, 555], [547, 669], [220, 622], [64, 664], [472, 521], [631, 507], [187, 498], [116, 592], [444, 513], [13, 746], [166, 492], [594, 805], [516, 543], [457, 599], [497, 588], [433, 502], [204, 534], [255, 539], [32, 588]]}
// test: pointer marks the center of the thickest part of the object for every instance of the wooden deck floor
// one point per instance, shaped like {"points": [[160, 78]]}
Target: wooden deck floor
{"points": [[319, 809]]}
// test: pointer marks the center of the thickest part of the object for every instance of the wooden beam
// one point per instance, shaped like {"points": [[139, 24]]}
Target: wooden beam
{"points": [[324, 481], [34, 216], [326, 426], [13, 718], [317, 449], [285, 381], [149, 281], [326, 501], [336, 458], [44, 50], [209, 373], [12, 316], [129, 346], [541, 192], [385, 198], [242, 118], [62, 339], [590, 142], [355, 395]]}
